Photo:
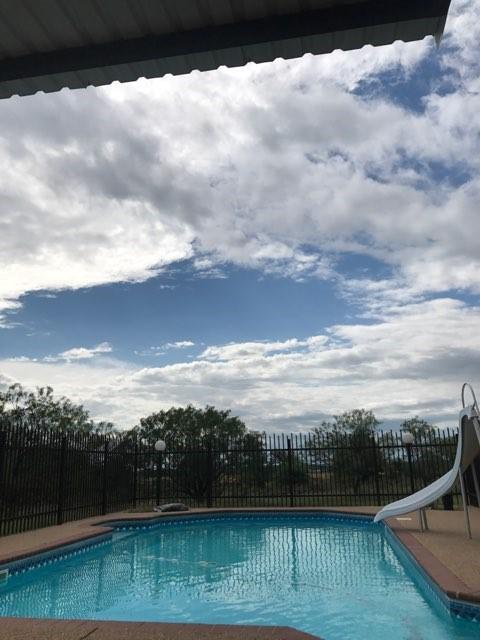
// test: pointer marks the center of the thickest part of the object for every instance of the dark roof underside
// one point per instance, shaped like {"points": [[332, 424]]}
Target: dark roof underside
{"points": [[46, 45]]}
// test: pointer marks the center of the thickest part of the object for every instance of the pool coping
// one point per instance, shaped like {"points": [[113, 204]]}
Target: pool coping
{"points": [[449, 583], [50, 629], [443, 584], [454, 593]]}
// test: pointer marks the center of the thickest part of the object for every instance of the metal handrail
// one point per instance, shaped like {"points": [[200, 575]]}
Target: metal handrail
{"points": [[475, 403]]}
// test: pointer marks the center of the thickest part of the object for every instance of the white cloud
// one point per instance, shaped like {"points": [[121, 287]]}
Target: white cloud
{"points": [[91, 382], [5, 306], [180, 344], [81, 353], [247, 350], [162, 349], [462, 37]]}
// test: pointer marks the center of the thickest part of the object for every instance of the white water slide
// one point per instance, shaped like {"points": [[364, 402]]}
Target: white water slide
{"points": [[468, 448]]}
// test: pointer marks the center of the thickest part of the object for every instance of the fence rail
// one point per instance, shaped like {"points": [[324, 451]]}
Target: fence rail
{"points": [[50, 477]]}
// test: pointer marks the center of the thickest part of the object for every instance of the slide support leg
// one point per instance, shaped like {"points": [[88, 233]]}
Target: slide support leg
{"points": [[425, 521], [465, 505], [420, 517], [475, 483]]}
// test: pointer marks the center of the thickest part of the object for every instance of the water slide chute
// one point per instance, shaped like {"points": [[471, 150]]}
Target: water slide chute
{"points": [[468, 447]]}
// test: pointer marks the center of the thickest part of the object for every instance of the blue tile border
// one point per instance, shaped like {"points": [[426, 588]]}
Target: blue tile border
{"points": [[28, 563], [162, 521]]}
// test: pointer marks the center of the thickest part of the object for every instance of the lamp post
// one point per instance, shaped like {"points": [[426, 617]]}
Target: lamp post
{"points": [[407, 440], [160, 447]]}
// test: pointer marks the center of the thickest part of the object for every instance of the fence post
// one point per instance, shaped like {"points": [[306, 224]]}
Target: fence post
{"points": [[408, 446], [3, 480], [375, 470], [61, 480], [209, 474], [158, 478], [290, 471], [135, 473], [3, 452], [104, 479]]}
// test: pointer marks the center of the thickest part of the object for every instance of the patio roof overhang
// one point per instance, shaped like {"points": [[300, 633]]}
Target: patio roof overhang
{"points": [[47, 45]]}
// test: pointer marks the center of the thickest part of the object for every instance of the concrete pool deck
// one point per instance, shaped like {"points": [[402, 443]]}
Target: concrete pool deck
{"points": [[30, 629], [444, 552]]}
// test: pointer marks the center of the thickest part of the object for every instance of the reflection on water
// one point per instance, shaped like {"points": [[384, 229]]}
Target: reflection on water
{"points": [[330, 578]]}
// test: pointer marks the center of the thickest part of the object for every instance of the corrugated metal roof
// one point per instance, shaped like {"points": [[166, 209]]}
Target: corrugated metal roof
{"points": [[46, 45]]}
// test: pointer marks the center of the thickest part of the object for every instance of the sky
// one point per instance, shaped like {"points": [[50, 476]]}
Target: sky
{"points": [[287, 240]]}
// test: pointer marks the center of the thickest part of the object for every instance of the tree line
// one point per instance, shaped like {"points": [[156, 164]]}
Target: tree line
{"points": [[348, 450]]}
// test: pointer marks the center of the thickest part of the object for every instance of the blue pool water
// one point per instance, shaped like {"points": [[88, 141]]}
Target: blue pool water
{"points": [[339, 579]]}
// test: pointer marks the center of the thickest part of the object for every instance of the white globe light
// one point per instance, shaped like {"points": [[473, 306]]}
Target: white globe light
{"points": [[407, 437], [160, 445]]}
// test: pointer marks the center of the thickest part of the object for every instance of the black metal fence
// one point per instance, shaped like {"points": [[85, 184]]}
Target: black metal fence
{"points": [[49, 477]]}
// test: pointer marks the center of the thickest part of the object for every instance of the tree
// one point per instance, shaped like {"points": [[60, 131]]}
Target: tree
{"points": [[430, 460], [293, 470], [203, 446], [179, 425], [418, 427], [356, 421], [41, 409], [36, 423], [252, 462], [350, 441]]}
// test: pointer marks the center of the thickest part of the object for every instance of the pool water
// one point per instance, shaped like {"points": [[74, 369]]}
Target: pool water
{"points": [[339, 579]]}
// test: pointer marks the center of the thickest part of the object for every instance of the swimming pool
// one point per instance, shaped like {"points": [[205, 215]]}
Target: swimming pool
{"points": [[336, 577]]}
